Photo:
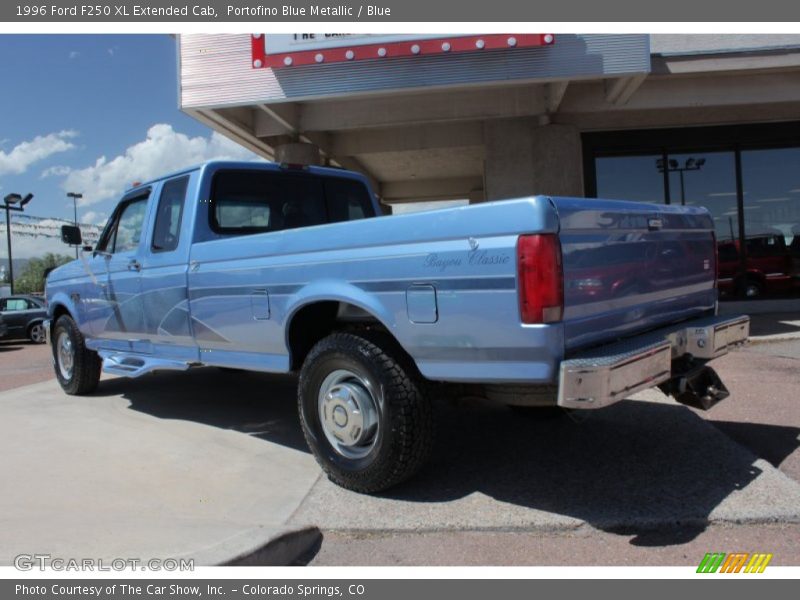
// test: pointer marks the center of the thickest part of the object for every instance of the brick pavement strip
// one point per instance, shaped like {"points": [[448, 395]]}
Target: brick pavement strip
{"points": [[24, 363]]}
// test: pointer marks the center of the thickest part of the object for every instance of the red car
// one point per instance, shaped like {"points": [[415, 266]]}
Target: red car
{"points": [[769, 267]]}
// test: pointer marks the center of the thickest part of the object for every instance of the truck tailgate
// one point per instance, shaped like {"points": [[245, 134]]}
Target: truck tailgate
{"points": [[631, 267]]}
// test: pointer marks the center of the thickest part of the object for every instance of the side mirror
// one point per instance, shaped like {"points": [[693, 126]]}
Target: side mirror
{"points": [[71, 234]]}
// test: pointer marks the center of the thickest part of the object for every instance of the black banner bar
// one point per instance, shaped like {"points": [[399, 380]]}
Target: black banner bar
{"points": [[377, 11], [386, 589]]}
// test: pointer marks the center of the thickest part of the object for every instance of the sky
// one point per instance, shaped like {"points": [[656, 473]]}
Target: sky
{"points": [[91, 114]]}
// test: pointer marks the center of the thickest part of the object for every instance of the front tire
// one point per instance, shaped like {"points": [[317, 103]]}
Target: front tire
{"points": [[363, 411], [77, 368]]}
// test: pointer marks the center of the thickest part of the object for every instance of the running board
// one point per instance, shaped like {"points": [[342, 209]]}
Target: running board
{"points": [[136, 365]]}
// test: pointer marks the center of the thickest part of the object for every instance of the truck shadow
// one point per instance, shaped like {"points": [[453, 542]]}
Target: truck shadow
{"points": [[7, 346], [262, 406], [651, 470], [774, 324], [654, 471]]}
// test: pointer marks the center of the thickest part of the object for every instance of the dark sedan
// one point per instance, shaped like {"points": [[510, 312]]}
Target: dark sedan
{"points": [[23, 317]]}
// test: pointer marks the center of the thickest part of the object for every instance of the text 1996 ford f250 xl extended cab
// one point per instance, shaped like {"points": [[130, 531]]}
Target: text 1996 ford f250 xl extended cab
{"points": [[535, 302]]}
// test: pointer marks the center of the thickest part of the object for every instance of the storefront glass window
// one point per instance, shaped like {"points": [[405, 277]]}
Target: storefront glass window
{"points": [[630, 178], [771, 180], [707, 179], [748, 177]]}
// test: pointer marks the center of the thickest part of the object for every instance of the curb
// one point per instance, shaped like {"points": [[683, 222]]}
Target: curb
{"points": [[778, 337], [291, 548]]}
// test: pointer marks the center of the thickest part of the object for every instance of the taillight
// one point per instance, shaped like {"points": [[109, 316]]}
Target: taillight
{"points": [[541, 280]]}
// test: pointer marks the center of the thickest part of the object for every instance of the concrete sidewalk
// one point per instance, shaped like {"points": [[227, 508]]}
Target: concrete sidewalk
{"points": [[95, 477]]}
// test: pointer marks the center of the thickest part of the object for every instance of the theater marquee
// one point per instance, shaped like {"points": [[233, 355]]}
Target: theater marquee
{"points": [[291, 50]]}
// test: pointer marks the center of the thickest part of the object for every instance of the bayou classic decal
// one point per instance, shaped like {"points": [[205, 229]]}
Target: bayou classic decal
{"points": [[486, 258], [475, 258], [434, 261]]}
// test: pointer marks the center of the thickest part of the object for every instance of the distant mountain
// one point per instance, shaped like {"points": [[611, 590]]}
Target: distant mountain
{"points": [[19, 267]]}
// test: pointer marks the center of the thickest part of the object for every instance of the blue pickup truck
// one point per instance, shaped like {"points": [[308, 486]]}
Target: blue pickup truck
{"points": [[538, 302]]}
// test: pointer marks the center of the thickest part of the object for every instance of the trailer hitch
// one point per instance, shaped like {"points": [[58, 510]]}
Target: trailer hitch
{"points": [[695, 385]]}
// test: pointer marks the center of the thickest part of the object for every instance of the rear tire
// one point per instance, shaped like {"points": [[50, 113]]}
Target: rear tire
{"points": [[363, 411], [77, 368]]}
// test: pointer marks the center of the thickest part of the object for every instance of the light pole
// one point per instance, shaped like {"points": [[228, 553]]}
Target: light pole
{"points": [[10, 203], [75, 197], [673, 166]]}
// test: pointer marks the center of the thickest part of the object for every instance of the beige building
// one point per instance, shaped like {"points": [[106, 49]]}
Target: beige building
{"points": [[712, 120]]}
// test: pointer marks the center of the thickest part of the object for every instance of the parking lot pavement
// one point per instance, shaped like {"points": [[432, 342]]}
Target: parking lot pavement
{"points": [[213, 462], [22, 363], [775, 327], [635, 465], [763, 412], [151, 469], [654, 466]]}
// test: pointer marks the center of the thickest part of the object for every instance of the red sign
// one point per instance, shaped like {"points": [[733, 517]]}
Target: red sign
{"points": [[335, 50]]}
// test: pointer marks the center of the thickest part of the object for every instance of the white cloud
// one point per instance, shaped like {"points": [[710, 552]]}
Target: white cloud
{"points": [[35, 237], [26, 153], [29, 247], [56, 171], [93, 217], [74, 54], [163, 150]]}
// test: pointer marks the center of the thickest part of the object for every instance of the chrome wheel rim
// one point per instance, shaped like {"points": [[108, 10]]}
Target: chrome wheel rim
{"points": [[348, 413], [65, 355], [37, 334]]}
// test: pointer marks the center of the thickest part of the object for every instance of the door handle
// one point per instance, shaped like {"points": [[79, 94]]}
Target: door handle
{"points": [[134, 265]]}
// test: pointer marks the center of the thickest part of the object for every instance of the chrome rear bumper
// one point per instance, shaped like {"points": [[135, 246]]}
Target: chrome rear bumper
{"points": [[607, 374]]}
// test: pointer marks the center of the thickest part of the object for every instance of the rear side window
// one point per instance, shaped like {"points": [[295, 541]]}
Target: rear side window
{"points": [[260, 201], [346, 200], [17, 304], [728, 252], [760, 246], [167, 230]]}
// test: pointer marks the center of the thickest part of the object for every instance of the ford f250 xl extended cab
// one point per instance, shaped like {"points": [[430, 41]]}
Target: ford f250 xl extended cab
{"points": [[532, 302]]}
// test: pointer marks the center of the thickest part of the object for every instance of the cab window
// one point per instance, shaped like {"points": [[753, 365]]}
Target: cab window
{"points": [[125, 230], [260, 201], [167, 230]]}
